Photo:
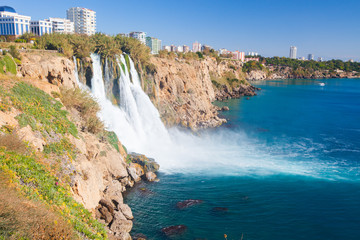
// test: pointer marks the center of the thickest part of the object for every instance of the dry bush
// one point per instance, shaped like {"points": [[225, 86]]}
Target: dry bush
{"points": [[87, 107], [21, 218], [12, 142]]}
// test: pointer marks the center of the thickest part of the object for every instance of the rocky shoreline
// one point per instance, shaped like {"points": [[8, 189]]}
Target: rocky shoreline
{"points": [[274, 73]]}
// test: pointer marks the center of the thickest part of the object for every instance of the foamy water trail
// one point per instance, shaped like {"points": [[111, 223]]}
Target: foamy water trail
{"points": [[223, 152]]}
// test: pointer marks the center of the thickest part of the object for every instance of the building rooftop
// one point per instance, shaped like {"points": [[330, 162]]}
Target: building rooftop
{"points": [[7, 9]]}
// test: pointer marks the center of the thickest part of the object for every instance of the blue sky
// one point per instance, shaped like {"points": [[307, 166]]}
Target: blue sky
{"points": [[327, 28]]}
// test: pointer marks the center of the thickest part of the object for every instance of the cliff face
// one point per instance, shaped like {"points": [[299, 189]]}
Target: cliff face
{"points": [[184, 90], [47, 67]]}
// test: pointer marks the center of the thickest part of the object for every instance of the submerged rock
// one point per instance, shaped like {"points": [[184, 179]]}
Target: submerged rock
{"points": [[220, 209], [188, 203], [174, 230], [225, 108], [140, 236]]}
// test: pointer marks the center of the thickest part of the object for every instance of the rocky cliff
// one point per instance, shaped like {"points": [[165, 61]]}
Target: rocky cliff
{"points": [[183, 90]]}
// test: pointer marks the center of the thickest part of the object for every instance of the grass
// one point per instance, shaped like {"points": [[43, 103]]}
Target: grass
{"points": [[9, 64], [37, 183], [87, 107], [4, 100], [113, 140], [60, 148], [42, 112]]}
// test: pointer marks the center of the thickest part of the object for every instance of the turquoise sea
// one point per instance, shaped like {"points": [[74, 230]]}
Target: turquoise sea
{"points": [[307, 135]]}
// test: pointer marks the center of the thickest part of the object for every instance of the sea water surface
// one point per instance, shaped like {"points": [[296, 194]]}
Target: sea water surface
{"points": [[293, 157]]}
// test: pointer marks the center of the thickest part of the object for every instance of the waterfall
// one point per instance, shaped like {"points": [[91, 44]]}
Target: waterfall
{"points": [[137, 124], [76, 72]]}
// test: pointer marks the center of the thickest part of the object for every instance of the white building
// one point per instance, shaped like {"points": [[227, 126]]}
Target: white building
{"points": [[84, 20], [167, 48], [196, 47], [293, 51], [12, 23], [154, 44], [62, 25], [180, 49], [141, 36], [41, 27]]}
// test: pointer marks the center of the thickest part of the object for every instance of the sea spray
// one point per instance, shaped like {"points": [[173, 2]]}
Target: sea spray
{"points": [[221, 152]]}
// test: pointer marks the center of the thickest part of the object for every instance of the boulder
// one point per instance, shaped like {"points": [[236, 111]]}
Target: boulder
{"points": [[148, 164], [123, 236], [121, 225], [225, 108], [174, 230], [150, 176], [108, 205], [188, 203], [136, 171], [114, 191], [126, 210], [105, 214]]}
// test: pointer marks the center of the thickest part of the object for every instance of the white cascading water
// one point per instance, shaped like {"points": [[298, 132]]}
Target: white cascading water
{"points": [[138, 125]]}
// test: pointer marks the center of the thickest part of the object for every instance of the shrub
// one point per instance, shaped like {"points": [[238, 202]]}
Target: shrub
{"points": [[87, 107], [14, 52], [12, 142]]}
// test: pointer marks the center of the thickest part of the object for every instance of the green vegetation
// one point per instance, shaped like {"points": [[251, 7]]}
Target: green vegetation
{"points": [[113, 140], [14, 52], [228, 79], [82, 46], [60, 148], [43, 178], [331, 65], [37, 183], [252, 65], [40, 111], [7, 64]]}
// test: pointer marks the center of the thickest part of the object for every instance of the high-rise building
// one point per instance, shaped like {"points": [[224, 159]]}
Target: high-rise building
{"points": [[196, 47], [12, 23], [84, 20], [141, 36], [41, 27], [238, 55], [154, 44], [62, 25], [310, 57], [186, 49], [293, 51]]}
